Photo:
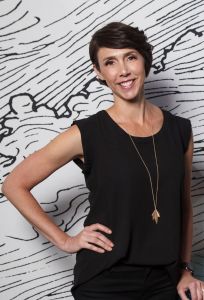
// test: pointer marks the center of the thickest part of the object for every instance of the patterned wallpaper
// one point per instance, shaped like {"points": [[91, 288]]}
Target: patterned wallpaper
{"points": [[47, 81]]}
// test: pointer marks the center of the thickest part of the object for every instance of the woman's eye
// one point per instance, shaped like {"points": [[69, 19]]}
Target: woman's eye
{"points": [[109, 63], [132, 57]]}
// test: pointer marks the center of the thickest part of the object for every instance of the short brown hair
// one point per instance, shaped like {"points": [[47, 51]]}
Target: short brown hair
{"points": [[118, 35]]}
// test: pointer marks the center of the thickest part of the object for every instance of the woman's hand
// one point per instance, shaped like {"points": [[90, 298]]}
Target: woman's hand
{"points": [[195, 286], [90, 239]]}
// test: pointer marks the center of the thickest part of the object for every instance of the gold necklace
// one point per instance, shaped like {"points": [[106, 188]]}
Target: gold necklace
{"points": [[155, 214]]}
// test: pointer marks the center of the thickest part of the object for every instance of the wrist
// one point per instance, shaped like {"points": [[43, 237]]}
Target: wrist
{"points": [[65, 244], [186, 268], [60, 239]]}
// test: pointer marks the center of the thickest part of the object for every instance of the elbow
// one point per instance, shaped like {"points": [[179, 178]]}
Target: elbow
{"points": [[6, 186], [10, 187]]}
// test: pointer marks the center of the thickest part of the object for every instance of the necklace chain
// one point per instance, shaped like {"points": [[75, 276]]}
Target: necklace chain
{"points": [[155, 214]]}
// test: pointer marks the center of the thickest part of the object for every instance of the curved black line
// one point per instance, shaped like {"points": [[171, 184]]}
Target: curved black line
{"points": [[85, 18], [36, 124], [24, 240], [65, 16], [43, 46], [14, 22], [35, 279], [48, 76], [29, 256], [10, 160], [25, 64], [52, 210], [64, 97], [9, 252], [18, 87], [79, 219], [42, 128], [138, 9], [86, 8], [40, 285], [56, 259], [63, 190], [169, 28], [11, 143], [11, 283], [11, 39], [13, 82], [64, 36], [70, 205], [196, 45], [52, 84], [6, 49], [33, 142], [177, 10], [156, 11], [184, 14], [19, 3], [6, 55], [34, 117], [25, 28], [28, 43]]}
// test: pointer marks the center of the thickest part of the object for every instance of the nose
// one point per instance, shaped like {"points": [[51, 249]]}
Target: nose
{"points": [[124, 72]]}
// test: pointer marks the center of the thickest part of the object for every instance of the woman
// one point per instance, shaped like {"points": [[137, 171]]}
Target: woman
{"points": [[136, 158]]}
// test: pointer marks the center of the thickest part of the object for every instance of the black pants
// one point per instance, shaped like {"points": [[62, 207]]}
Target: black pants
{"points": [[135, 283]]}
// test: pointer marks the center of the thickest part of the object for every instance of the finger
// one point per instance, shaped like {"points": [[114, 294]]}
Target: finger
{"points": [[193, 290], [98, 226], [90, 242], [87, 232], [98, 242], [102, 238], [182, 295], [199, 294], [202, 291], [199, 291], [93, 248]]}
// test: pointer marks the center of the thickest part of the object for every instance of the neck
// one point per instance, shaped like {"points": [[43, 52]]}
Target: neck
{"points": [[128, 111]]}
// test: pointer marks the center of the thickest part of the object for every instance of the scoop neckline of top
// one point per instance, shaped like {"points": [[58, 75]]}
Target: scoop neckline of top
{"points": [[134, 136]]}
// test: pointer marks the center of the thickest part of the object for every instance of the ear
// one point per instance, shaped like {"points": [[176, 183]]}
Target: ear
{"points": [[98, 73]]}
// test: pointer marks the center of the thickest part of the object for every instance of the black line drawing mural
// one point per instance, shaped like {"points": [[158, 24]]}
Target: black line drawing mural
{"points": [[46, 81]]}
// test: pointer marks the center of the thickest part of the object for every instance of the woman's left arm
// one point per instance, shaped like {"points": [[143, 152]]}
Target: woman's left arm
{"points": [[187, 281]]}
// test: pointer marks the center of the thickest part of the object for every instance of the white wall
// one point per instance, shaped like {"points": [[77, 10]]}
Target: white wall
{"points": [[46, 81]]}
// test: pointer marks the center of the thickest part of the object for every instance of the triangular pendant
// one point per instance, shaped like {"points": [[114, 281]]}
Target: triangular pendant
{"points": [[155, 216]]}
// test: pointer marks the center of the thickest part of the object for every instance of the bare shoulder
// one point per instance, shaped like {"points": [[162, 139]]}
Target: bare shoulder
{"points": [[64, 147]]}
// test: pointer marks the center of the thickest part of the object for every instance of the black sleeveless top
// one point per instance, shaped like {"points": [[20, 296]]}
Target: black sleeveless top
{"points": [[120, 193]]}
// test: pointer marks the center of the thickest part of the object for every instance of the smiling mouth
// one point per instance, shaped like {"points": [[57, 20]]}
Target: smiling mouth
{"points": [[126, 84]]}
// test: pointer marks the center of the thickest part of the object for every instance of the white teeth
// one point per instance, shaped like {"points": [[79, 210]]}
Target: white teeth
{"points": [[126, 83]]}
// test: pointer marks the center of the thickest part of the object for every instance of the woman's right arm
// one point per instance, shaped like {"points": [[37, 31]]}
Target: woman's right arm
{"points": [[33, 170]]}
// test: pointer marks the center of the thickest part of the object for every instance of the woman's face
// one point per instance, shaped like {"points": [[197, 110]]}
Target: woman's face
{"points": [[124, 72]]}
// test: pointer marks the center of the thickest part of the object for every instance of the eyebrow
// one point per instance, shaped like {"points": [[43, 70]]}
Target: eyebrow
{"points": [[125, 54]]}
